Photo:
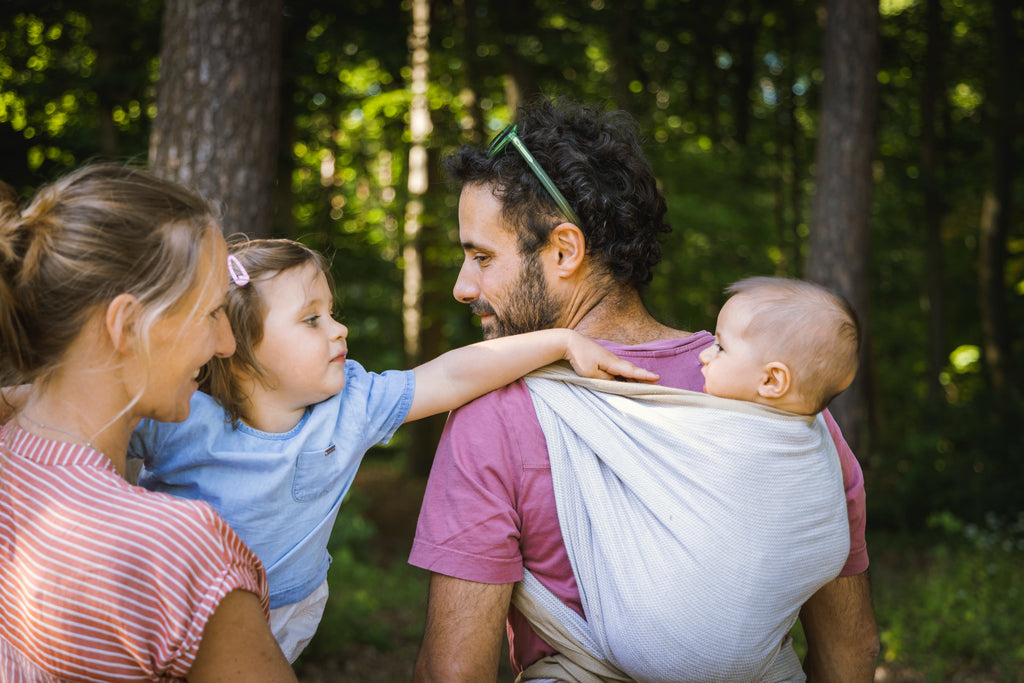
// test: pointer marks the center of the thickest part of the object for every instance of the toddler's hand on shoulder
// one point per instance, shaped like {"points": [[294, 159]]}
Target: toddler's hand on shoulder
{"points": [[590, 359]]}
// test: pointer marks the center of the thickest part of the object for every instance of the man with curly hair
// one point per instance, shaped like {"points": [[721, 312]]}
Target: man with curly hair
{"points": [[560, 221]]}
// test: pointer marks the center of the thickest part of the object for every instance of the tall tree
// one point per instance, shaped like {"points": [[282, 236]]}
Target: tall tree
{"points": [[996, 212], [841, 208], [466, 21], [933, 86], [217, 101], [519, 17], [420, 340]]}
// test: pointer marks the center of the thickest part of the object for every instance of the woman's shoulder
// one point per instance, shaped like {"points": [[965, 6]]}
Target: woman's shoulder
{"points": [[157, 522]]}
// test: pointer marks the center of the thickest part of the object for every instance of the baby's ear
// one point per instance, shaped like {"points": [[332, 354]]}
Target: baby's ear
{"points": [[775, 382], [122, 312]]}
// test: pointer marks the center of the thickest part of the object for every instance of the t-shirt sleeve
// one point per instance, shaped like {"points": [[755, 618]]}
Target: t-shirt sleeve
{"points": [[469, 524], [853, 482], [388, 398], [185, 570]]}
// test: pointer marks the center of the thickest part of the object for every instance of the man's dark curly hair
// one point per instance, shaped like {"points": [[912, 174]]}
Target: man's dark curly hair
{"points": [[595, 159]]}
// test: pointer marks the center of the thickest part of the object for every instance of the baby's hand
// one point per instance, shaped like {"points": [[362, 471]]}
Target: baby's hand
{"points": [[590, 359]]}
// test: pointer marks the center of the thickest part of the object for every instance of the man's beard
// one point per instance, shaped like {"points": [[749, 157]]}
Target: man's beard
{"points": [[528, 305]]}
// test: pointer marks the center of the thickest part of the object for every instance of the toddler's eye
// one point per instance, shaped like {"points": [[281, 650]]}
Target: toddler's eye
{"points": [[312, 320]]}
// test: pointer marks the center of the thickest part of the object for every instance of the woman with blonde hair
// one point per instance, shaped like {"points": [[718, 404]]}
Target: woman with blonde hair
{"points": [[112, 289]]}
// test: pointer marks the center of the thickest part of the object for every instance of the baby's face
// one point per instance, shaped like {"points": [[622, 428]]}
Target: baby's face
{"points": [[732, 367]]}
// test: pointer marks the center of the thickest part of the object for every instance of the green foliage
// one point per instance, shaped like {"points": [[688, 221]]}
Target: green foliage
{"points": [[955, 604], [74, 84], [726, 95]]}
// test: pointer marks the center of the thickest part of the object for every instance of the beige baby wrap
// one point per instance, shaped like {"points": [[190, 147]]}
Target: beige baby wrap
{"points": [[696, 527]]}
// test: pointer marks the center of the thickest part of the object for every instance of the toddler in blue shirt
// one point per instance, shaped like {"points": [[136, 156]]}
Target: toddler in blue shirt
{"points": [[275, 441]]}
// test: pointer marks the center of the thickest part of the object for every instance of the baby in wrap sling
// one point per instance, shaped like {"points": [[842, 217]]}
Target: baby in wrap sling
{"points": [[697, 525]]}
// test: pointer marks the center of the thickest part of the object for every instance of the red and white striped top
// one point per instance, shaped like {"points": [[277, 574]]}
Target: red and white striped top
{"points": [[101, 580]]}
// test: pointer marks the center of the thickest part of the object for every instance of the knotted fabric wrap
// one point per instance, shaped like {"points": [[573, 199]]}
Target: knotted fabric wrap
{"points": [[696, 526]]}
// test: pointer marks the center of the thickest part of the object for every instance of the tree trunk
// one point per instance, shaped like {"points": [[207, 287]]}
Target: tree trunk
{"points": [[746, 57], [466, 20], [933, 200], [623, 39], [217, 101], [840, 213], [518, 17], [995, 220], [424, 433]]}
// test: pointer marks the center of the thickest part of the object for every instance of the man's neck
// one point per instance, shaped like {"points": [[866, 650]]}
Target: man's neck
{"points": [[617, 316]]}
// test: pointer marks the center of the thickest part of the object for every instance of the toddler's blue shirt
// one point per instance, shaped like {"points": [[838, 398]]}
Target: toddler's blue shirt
{"points": [[280, 492]]}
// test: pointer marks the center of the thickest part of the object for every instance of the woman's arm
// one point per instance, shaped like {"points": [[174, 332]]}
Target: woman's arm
{"points": [[461, 375], [238, 646]]}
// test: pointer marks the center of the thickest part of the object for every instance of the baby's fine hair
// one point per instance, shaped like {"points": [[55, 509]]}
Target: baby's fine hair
{"points": [[98, 232], [246, 310], [811, 328]]}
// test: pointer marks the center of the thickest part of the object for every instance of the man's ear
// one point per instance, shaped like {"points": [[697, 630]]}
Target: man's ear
{"points": [[569, 247], [122, 313], [775, 381]]}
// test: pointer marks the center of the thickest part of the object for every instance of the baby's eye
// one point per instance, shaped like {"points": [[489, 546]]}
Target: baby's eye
{"points": [[718, 347]]}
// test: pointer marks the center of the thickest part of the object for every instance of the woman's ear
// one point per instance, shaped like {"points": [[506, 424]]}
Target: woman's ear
{"points": [[775, 382], [568, 246], [122, 313]]}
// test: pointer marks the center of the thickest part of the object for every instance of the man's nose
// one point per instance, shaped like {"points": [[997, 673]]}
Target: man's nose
{"points": [[465, 290]]}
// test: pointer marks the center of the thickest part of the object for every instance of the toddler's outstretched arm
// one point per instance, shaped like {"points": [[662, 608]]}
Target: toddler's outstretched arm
{"points": [[463, 374]]}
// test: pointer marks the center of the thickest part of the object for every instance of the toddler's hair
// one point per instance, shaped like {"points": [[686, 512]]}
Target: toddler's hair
{"points": [[100, 231], [814, 330], [246, 310]]}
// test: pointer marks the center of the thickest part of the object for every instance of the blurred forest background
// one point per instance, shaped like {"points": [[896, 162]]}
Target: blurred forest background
{"points": [[326, 121]]}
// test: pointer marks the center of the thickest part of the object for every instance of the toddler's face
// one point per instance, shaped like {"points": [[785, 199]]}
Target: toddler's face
{"points": [[303, 347], [732, 367]]}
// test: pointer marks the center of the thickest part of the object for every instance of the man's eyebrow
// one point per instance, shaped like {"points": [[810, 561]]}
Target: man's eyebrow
{"points": [[471, 246]]}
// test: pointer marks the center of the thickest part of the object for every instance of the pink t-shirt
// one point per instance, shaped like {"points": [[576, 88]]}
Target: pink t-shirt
{"points": [[101, 580], [489, 507]]}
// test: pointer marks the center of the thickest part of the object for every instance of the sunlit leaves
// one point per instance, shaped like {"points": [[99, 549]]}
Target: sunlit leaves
{"points": [[52, 94]]}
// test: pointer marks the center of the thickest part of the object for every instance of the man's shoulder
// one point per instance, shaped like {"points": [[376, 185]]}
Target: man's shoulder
{"points": [[509, 400]]}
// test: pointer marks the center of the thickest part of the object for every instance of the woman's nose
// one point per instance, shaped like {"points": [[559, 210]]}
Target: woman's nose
{"points": [[225, 342]]}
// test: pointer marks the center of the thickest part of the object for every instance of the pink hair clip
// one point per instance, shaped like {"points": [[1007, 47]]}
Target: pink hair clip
{"points": [[239, 275]]}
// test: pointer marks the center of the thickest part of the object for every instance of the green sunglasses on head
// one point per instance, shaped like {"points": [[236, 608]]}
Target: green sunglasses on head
{"points": [[508, 135]]}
